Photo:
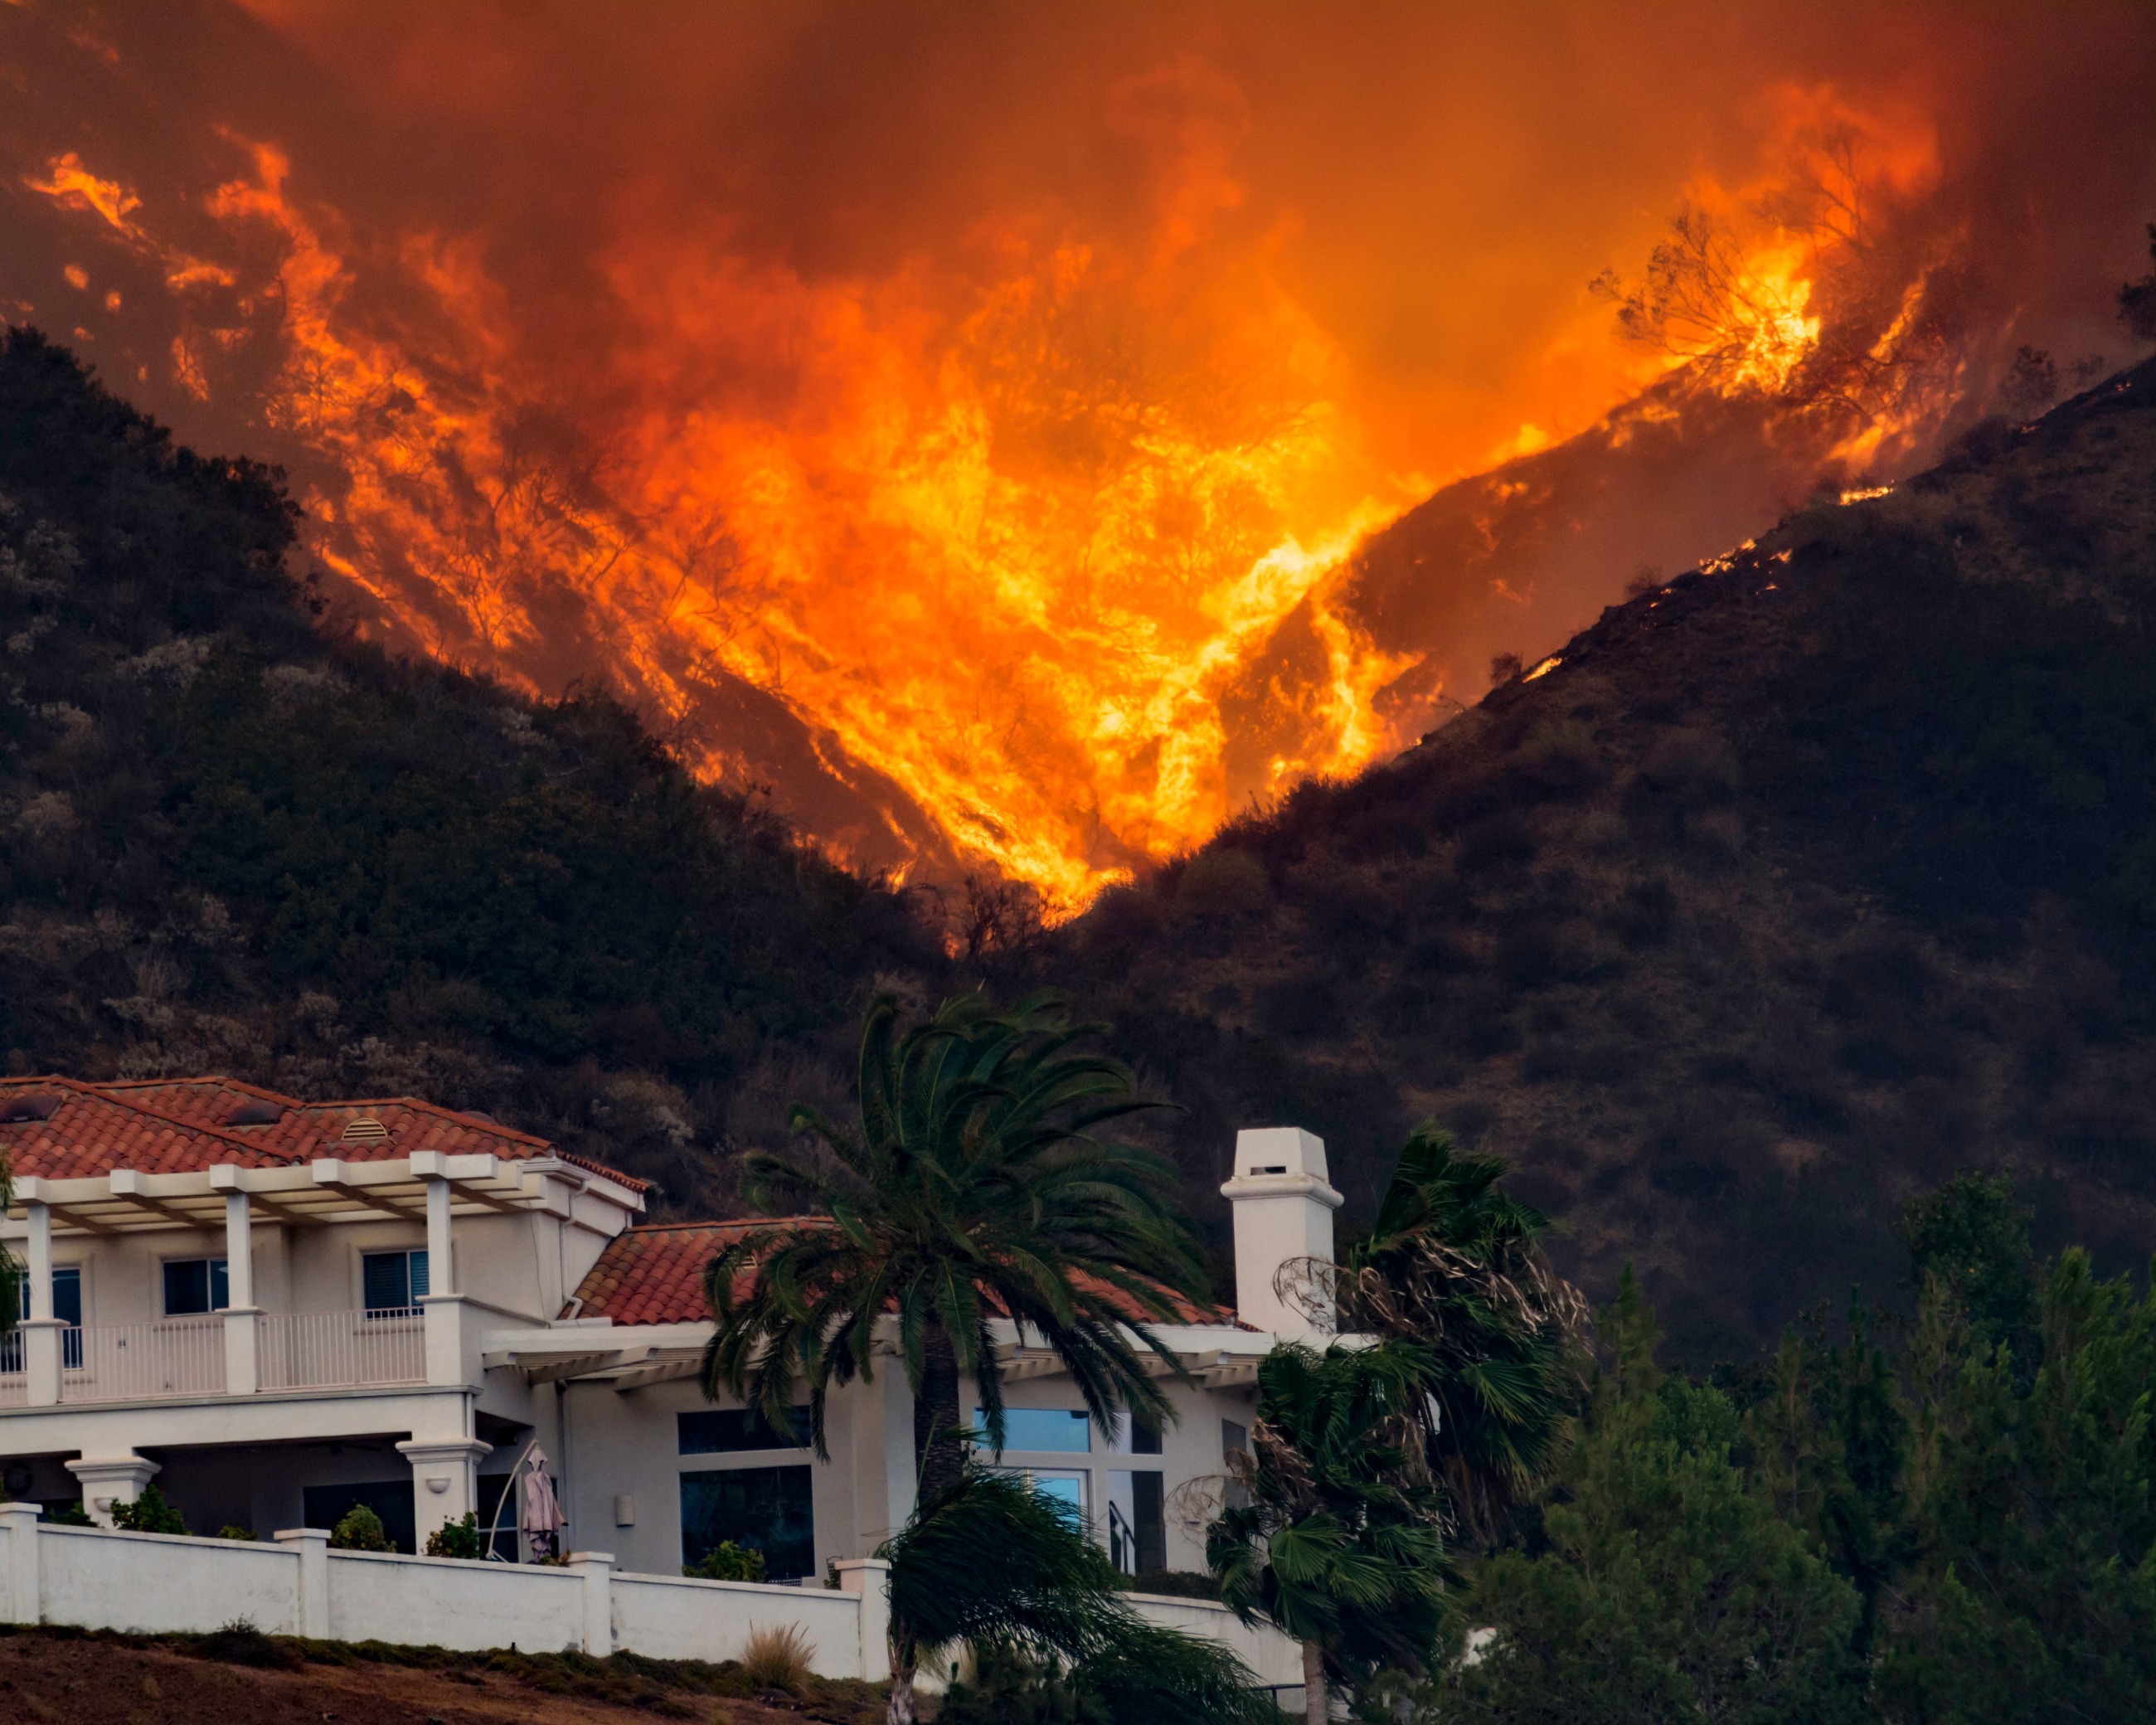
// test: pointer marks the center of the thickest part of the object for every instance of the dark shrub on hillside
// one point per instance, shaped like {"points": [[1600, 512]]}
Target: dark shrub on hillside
{"points": [[1499, 842], [1223, 884], [1643, 914]]}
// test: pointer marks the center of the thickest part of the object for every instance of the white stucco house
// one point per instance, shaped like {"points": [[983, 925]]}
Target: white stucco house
{"points": [[277, 1309]]}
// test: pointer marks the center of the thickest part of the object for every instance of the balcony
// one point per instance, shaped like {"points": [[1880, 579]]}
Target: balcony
{"points": [[187, 1357], [336, 1350]]}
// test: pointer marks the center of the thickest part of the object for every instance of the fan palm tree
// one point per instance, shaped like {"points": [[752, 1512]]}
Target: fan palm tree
{"points": [[975, 1186], [1340, 1543], [991, 1562], [1455, 1265]]}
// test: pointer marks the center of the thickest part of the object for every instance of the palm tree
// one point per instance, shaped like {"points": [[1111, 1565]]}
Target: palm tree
{"points": [[974, 1188], [1455, 1265], [991, 1562], [1340, 1542]]}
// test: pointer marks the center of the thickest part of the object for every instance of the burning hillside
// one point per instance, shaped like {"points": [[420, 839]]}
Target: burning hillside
{"points": [[970, 433]]}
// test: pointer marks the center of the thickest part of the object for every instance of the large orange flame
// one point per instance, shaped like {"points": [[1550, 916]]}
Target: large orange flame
{"points": [[1007, 534]]}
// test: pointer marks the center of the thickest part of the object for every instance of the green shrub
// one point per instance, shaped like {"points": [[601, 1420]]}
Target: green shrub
{"points": [[232, 1531], [150, 1513], [70, 1515], [457, 1539], [360, 1530], [727, 1562], [239, 1642]]}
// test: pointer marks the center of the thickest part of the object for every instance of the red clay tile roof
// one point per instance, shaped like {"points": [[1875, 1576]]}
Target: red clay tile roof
{"points": [[653, 1274], [177, 1124]]}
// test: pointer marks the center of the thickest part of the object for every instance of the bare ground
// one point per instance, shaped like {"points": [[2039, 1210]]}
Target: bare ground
{"points": [[55, 1677]]}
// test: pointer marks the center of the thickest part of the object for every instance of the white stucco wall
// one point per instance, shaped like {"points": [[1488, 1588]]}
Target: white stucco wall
{"points": [[713, 1620], [156, 1581], [442, 1602], [1275, 1660], [100, 1580]]}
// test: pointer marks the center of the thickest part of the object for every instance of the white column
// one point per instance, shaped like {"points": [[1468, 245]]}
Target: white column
{"points": [[242, 1331], [107, 1479], [869, 1578], [443, 1489], [41, 1262], [238, 1249], [441, 1272], [20, 1595], [312, 1614], [596, 1570], [41, 1330], [444, 1310]]}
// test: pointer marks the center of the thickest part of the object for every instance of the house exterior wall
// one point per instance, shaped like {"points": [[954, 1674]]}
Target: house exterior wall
{"points": [[506, 1367]]}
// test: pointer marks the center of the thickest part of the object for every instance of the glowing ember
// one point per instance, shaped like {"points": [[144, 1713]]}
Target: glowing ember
{"points": [[1864, 493]]}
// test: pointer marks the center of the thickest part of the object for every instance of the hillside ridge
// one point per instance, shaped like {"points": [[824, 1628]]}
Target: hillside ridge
{"points": [[1776, 893]]}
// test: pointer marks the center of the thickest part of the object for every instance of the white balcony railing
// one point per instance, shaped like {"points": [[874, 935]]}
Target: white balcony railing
{"points": [[315, 1350], [126, 1362], [14, 1388]]}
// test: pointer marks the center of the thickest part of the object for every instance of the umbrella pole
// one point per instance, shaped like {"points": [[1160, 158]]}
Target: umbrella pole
{"points": [[495, 1528]]}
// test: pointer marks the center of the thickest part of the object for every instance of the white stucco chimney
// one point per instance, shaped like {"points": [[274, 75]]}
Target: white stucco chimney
{"points": [[1283, 1210]]}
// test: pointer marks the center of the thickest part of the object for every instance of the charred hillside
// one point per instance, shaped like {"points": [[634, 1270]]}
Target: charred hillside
{"points": [[1782, 891]]}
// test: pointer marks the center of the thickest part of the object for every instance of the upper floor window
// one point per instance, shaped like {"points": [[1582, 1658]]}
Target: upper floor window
{"points": [[67, 1293], [716, 1430], [67, 1308], [392, 1282], [1052, 1428], [193, 1285]]}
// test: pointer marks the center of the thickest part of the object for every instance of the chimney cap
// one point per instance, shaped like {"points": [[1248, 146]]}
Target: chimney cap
{"points": [[1279, 1150]]}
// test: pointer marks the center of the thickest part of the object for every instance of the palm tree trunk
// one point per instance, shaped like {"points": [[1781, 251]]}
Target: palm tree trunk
{"points": [[899, 1708], [1315, 1708], [938, 1451]]}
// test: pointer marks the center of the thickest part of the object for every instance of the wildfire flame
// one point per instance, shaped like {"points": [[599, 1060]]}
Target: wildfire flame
{"points": [[1008, 535]]}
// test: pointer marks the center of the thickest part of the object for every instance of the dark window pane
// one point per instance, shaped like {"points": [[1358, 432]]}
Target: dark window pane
{"points": [[326, 1506], [186, 1288], [67, 1308], [714, 1430], [766, 1508], [386, 1278], [497, 1508], [220, 1289], [418, 1275], [1145, 1440], [1150, 1522]]}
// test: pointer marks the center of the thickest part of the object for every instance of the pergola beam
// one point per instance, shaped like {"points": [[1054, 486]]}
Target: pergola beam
{"points": [[74, 1219], [372, 1200]]}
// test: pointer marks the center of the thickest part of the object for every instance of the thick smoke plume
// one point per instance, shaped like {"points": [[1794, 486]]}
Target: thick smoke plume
{"points": [[1007, 431]]}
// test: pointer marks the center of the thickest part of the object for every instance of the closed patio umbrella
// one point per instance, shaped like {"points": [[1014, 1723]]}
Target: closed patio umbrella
{"points": [[540, 1515]]}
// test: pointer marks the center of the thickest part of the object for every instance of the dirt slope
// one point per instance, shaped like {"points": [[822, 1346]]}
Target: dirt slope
{"points": [[54, 1678]]}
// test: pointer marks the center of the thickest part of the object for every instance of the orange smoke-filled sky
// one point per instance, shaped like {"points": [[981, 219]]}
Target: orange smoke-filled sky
{"points": [[960, 415]]}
